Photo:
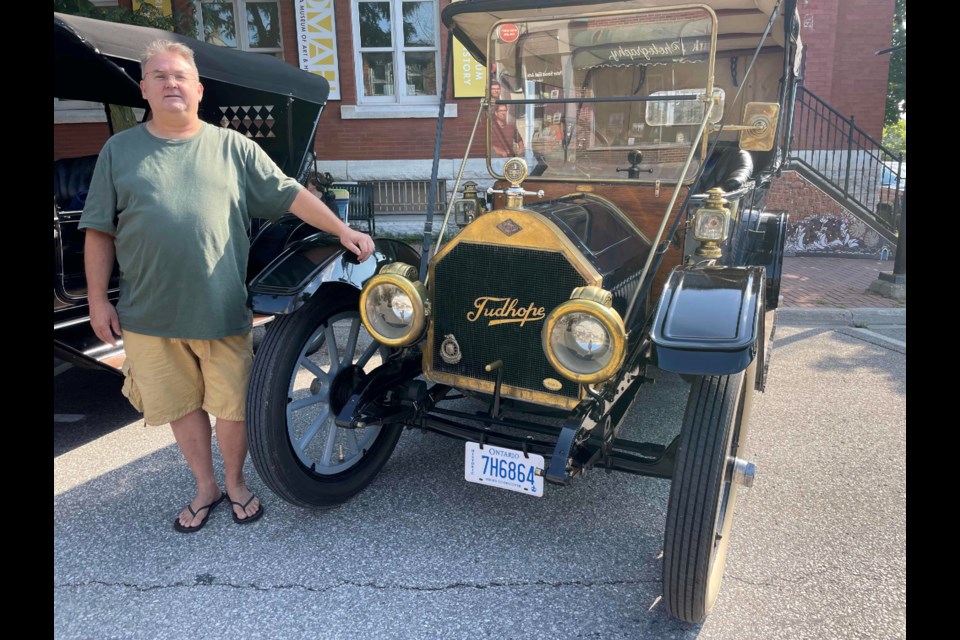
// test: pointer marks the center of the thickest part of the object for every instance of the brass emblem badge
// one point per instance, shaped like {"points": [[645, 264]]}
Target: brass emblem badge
{"points": [[509, 227], [504, 311], [552, 384], [515, 170], [450, 349]]}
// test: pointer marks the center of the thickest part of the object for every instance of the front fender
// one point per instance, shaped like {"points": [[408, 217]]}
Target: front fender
{"points": [[301, 269], [762, 244], [708, 320]]}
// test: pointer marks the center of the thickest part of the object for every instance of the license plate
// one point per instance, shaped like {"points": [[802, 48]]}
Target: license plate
{"points": [[504, 469]]}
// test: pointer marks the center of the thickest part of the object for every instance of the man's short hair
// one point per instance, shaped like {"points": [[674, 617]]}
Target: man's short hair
{"points": [[167, 46]]}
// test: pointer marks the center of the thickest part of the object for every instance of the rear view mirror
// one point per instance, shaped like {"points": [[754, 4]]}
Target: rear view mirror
{"points": [[760, 126]]}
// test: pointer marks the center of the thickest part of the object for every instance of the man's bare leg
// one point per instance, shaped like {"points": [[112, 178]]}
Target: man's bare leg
{"points": [[193, 436], [232, 436]]}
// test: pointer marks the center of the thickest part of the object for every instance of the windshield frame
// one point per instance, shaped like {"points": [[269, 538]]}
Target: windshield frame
{"points": [[489, 104]]}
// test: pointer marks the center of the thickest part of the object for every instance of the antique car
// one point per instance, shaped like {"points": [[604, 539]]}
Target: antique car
{"points": [[625, 232], [275, 104]]}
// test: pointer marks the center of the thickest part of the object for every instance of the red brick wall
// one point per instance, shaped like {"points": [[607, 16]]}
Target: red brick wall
{"points": [[841, 69], [841, 37], [799, 198], [74, 140], [389, 138]]}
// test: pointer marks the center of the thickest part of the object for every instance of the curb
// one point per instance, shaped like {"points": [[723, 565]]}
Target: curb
{"points": [[841, 317]]}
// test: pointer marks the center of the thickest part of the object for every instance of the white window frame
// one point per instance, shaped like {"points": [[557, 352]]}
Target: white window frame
{"points": [[240, 13], [399, 97]]}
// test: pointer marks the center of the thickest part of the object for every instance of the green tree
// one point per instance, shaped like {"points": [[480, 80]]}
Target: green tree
{"points": [[895, 137], [147, 15], [897, 83]]}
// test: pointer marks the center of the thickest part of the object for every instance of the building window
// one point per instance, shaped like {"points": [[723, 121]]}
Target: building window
{"points": [[397, 53], [249, 25]]}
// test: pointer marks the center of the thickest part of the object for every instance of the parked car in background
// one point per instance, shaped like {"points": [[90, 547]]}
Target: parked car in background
{"points": [[627, 232], [891, 193], [275, 104]]}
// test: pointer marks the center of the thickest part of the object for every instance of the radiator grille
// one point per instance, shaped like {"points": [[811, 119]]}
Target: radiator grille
{"points": [[471, 271]]}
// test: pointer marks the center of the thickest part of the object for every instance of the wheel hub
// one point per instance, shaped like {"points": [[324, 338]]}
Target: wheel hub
{"points": [[744, 472], [345, 383]]}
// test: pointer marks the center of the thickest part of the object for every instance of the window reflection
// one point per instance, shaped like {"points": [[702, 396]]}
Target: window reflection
{"points": [[263, 25], [421, 74], [378, 74], [418, 24], [218, 24], [375, 24]]}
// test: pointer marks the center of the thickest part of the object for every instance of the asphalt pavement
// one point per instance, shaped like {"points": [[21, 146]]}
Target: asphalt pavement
{"points": [[818, 547]]}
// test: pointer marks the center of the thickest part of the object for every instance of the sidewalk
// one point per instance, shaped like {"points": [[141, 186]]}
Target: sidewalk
{"points": [[839, 283], [833, 291]]}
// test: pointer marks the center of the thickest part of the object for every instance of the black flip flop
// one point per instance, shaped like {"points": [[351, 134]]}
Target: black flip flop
{"points": [[248, 519], [182, 529]]}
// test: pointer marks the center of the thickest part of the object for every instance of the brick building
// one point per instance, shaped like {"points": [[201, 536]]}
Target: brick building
{"points": [[384, 61], [841, 38]]}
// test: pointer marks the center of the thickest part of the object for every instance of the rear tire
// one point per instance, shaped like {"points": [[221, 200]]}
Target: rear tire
{"points": [[306, 369], [703, 493]]}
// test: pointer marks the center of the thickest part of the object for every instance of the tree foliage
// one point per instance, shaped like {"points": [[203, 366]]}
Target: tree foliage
{"points": [[897, 83], [895, 137], [148, 15]]}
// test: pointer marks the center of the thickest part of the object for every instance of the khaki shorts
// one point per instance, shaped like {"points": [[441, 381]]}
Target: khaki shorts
{"points": [[167, 378]]}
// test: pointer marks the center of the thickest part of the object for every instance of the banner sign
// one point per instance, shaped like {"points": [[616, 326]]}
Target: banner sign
{"points": [[469, 76], [317, 41]]}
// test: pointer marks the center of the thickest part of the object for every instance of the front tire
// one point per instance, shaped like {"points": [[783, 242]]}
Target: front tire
{"points": [[308, 366], [703, 493]]}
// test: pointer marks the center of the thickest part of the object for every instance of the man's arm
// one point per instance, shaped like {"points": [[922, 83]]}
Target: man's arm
{"points": [[98, 255], [314, 212]]}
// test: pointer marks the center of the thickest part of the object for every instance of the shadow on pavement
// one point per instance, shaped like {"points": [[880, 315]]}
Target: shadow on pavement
{"points": [[87, 404]]}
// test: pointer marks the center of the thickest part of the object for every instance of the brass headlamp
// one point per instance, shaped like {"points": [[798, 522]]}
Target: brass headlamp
{"points": [[584, 338], [393, 305]]}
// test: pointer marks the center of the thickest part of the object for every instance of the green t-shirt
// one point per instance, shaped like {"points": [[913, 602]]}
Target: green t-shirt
{"points": [[179, 213]]}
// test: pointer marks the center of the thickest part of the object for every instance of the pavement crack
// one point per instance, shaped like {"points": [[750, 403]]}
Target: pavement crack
{"points": [[208, 581], [187, 585], [493, 585]]}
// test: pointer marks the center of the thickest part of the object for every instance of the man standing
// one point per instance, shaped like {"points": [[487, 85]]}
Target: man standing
{"points": [[505, 140], [170, 199]]}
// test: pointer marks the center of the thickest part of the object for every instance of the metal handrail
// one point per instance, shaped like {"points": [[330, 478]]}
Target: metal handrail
{"points": [[842, 154]]}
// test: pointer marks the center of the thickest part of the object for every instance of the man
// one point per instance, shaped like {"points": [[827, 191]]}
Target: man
{"points": [[504, 137], [494, 91], [170, 199]]}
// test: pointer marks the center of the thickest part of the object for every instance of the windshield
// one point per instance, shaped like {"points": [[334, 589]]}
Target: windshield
{"points": [[578, 97]]}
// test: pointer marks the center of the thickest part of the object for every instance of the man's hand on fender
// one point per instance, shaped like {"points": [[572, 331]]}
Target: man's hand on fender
{"points": [[357, 243]]}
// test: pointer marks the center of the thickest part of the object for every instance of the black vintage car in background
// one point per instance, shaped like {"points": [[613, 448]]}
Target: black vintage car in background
{"points": [[627, 233], [276, 105]]}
